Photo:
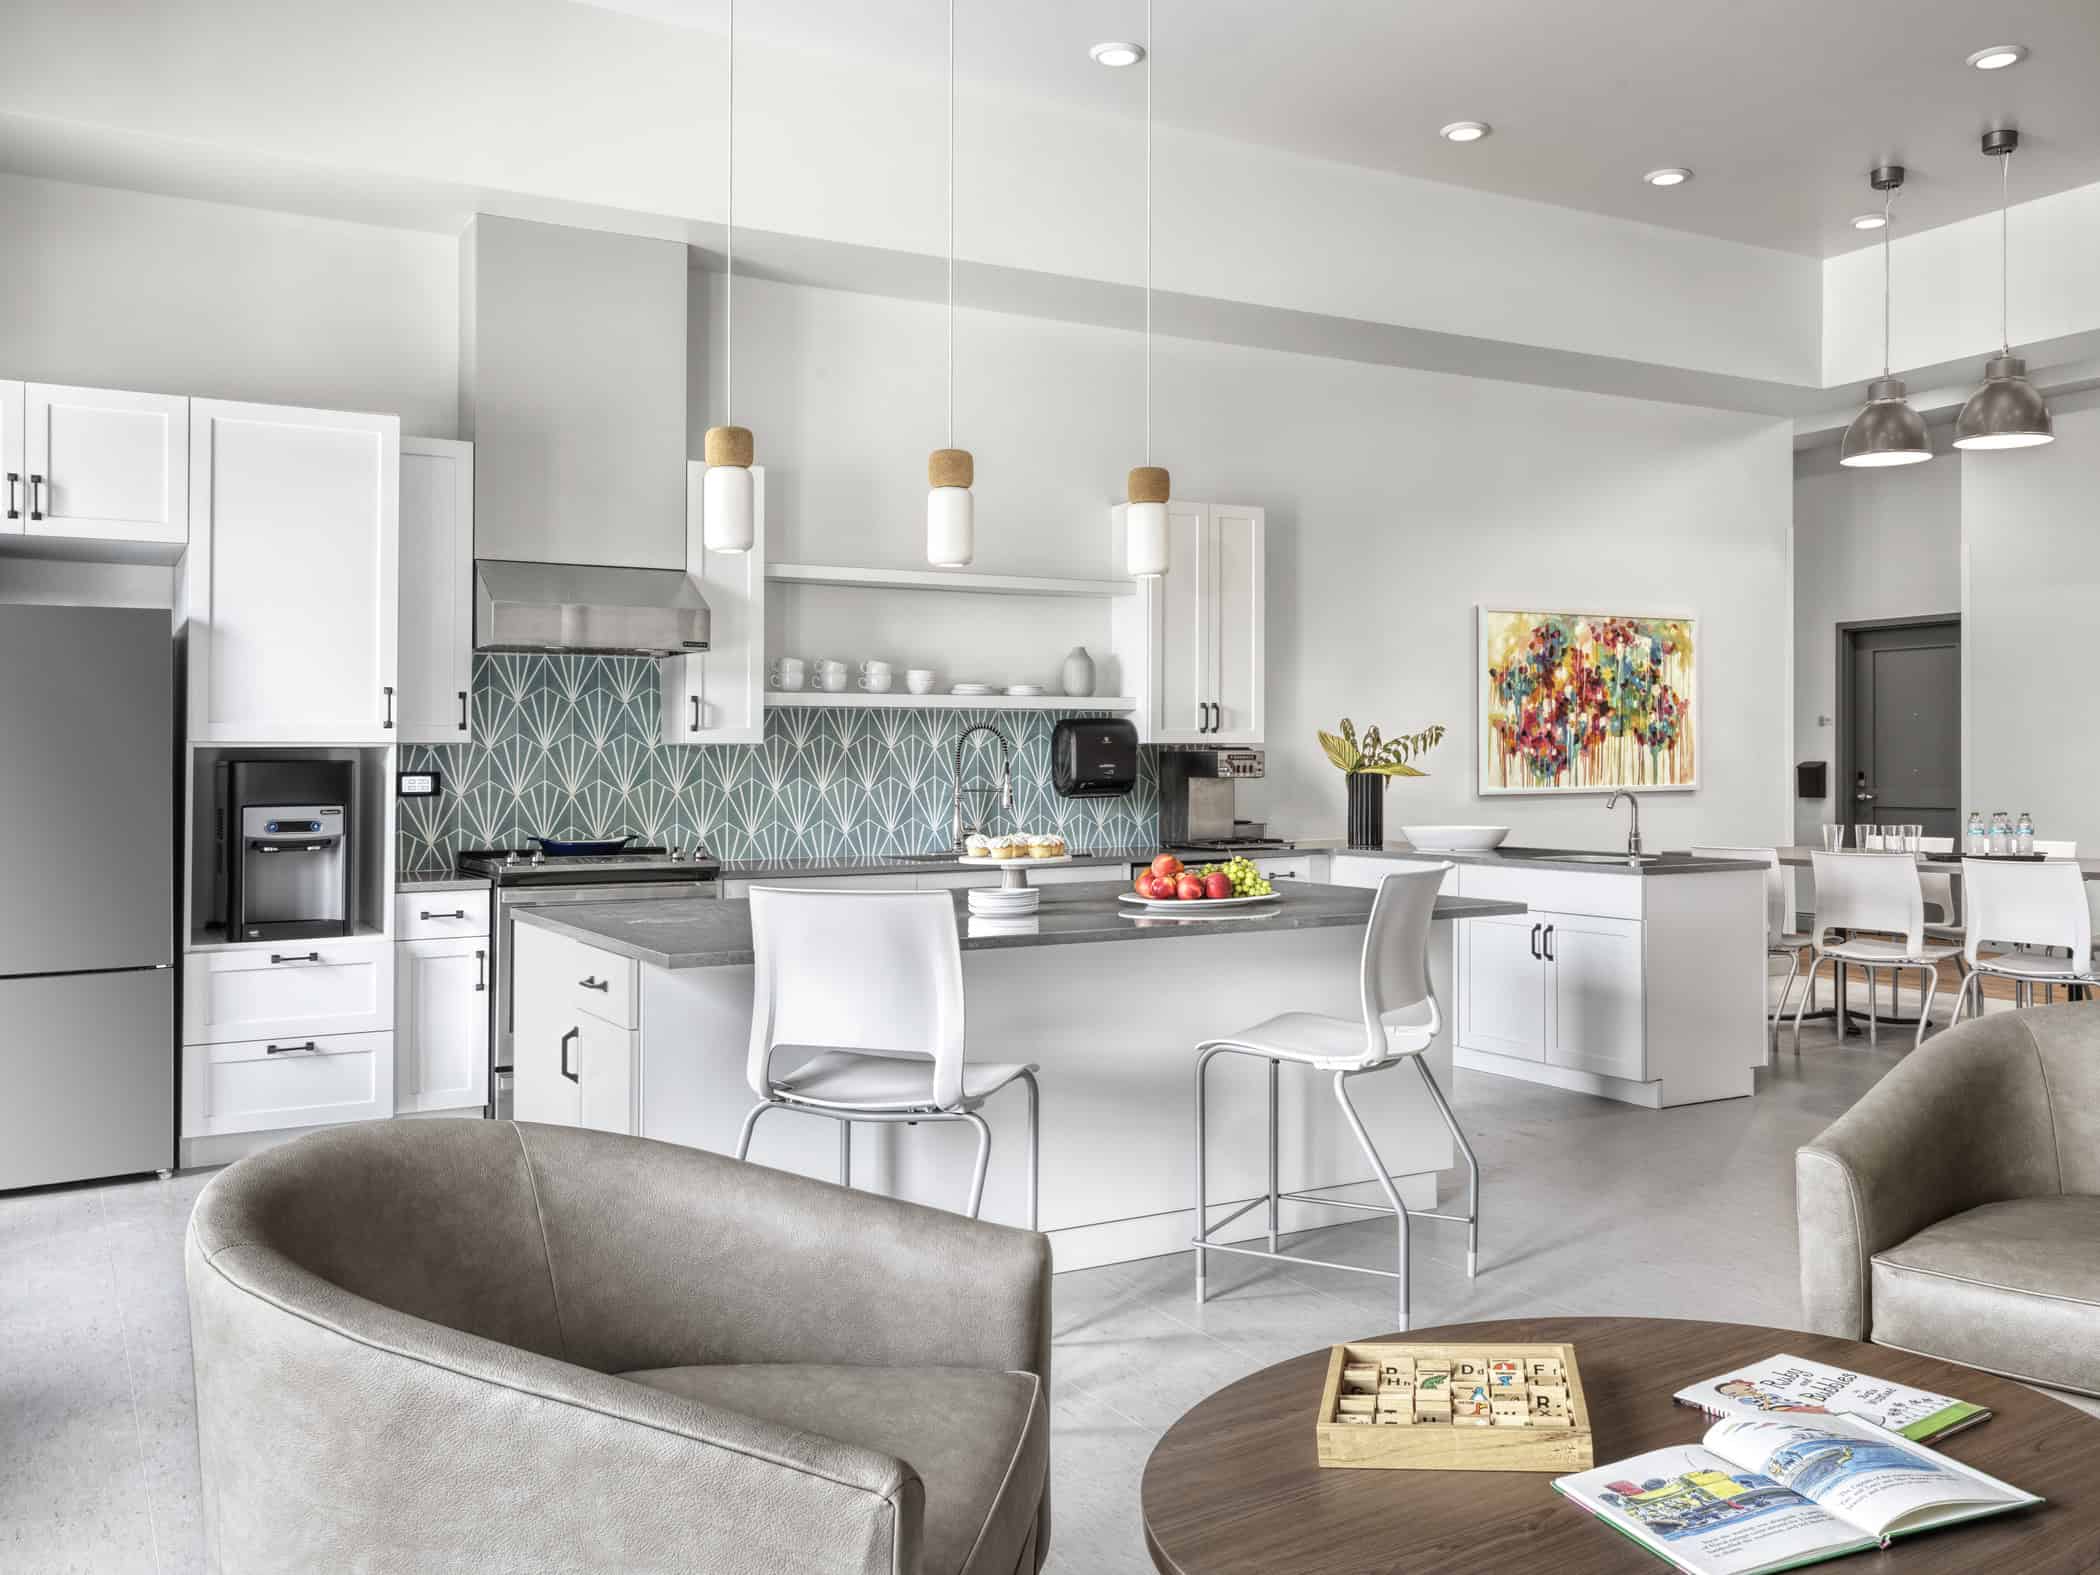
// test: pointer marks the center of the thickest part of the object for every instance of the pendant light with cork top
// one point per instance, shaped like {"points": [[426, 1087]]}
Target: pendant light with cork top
{"points": [[1148, 486], [951, 510]]}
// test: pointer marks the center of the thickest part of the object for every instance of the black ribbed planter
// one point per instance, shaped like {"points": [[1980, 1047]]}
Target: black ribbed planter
{"points": [[1366, 809]]}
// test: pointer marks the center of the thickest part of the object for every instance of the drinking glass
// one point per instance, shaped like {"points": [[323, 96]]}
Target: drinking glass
{"points": [[1869, 837], [1833, 838], [1913, 839]]}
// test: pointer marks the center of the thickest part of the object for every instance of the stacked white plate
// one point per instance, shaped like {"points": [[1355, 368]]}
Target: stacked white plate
{"points": [[970, 689], [1024, 689], [997, 903]]}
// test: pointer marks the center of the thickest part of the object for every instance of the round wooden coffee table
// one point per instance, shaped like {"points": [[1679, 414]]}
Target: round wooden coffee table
{"points": [[1233, 1487]]}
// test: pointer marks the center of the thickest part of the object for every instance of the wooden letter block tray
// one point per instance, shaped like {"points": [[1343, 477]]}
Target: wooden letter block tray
{"points": [[1410, 1406]]}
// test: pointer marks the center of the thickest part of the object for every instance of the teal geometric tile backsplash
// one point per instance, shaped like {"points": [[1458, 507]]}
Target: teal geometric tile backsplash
{"points": [[566, 746]]}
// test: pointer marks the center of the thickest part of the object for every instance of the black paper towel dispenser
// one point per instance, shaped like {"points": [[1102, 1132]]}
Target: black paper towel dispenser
{"points": [[1094, 757]]}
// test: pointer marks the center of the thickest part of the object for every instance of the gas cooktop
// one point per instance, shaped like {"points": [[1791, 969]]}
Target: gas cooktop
{"points": [[531, 867], [1231, 845]]}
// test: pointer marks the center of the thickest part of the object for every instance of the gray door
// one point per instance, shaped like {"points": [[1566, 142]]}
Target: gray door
{"points": [[88, 1062], [87, 789], [1903, 727]]}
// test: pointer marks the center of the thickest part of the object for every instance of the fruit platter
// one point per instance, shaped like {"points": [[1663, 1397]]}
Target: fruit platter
{"points": [[1171, 886]]}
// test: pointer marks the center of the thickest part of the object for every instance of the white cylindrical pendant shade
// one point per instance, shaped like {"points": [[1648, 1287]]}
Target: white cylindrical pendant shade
{"points": [[951, 527], [1145, 540], [726, 513]]}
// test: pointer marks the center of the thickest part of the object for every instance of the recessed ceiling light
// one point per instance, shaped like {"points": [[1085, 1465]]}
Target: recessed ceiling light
{"points": [[1869, 221], [1998, 57], [1465, 131], [1117, 53], [1675, 175]]}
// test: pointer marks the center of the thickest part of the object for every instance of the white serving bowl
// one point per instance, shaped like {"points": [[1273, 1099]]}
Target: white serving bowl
{"points": [[1454, 839]]}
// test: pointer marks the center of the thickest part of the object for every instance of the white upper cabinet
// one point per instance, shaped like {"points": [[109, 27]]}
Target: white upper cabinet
{"points": [[718, 696], [1206, 662], [437, 591], [95, 465], [290, 582]]}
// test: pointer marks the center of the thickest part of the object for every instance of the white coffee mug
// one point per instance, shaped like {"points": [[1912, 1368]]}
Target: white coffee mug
{"points": [[875, 669], [831, 676], [786, 673], [919, 680], [875, 683]]}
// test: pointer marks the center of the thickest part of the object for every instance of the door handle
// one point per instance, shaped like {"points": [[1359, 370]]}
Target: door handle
{"points": [[596, 983], [1535, 957], [1548, 940], [276, 957], [463, 710], [36, 496], [388, 691], [696, 713], [481, 971], [1864, 796], [289, 1049], [14, 494], [566, 1040], [457, 913]]}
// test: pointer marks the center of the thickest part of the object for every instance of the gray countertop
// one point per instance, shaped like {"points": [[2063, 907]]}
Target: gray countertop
{"points": [[712, 932], [1593, 861], [884, 864]]}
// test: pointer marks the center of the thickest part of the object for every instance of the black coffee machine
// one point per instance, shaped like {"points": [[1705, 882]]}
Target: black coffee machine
{"points": [[284, 848]]}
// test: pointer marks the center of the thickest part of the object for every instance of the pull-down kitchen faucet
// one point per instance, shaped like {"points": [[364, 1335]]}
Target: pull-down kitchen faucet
{"points": [[1006, 781], [1633, 833]]}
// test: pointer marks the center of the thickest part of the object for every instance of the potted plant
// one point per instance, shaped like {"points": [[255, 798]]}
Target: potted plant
{"points": [[1370, 763]]}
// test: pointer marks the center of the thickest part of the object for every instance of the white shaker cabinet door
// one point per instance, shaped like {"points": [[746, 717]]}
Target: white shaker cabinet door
{"points": [[1188, 648], [291, 575], [544, 1030], [437, 590], [606, 1055], [14, 477], [718, 696], [1598, 1003], [1237, 607], [102, 465], [441, 1025], [1502, 1002]]}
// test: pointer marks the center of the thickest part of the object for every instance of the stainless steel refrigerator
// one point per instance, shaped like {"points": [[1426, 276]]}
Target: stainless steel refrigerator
{"points": [[87, 893]]}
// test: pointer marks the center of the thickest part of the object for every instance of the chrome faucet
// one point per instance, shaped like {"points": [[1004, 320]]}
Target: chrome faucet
{"points": [[1633, 834], [1006, 781]]}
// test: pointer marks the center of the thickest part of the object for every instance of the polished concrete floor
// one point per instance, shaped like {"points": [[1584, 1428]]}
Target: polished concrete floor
{"points": [[1590, 1207]]}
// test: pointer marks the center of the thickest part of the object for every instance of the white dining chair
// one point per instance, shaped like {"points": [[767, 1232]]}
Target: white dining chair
{"points": [[865, 988], [1873, 892], [1780, 940], [2010, 905], [1400, 1021], [2057, 849], [1942, 895]]}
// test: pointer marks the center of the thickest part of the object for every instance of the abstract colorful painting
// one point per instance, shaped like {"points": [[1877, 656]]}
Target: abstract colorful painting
{"points": [[1586, 702]]}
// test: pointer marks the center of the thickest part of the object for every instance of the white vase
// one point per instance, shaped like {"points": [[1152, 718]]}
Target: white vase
{"points": [[1079, 673]]}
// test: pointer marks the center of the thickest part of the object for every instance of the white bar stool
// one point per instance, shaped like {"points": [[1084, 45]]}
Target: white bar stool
{"points": [[1400, 1020], [1779, 940], [1879, 892], [2026, 905], [868, 987]]}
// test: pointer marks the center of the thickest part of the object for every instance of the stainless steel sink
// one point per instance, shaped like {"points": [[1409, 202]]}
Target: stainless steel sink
{"points": [[1558, 856]]}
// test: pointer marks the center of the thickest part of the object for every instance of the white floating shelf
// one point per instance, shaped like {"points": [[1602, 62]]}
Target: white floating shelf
{"points": [[948, 702], [943, 580]]}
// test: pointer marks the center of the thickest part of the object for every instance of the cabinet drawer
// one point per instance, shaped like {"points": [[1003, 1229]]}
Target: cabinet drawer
{"points": [[1564, 891], [302, 1081], [440, 915], [603, 986], [312, 987]]}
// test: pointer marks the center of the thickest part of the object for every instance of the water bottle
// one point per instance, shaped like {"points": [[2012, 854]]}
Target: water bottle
{"points": [[2024, 833], [2001, 833], [1977, 843]]}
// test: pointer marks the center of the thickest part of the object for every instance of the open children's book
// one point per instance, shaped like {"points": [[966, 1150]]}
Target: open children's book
{"points": [[1794, 1384], [1763, 1493]]}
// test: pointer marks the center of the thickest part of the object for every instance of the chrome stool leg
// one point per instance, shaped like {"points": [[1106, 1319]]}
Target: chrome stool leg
{"points": [[743, 1138], [1274, 1067], [845, 1153], [1458, 1136], [1035, 1150], [1203, 1061], [1385, 1183], [984, 1160], [1932, 988]]}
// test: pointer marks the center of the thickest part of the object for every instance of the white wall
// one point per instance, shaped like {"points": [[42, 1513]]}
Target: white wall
{"points": [[2031, 551], [1868, 544], [1396, 500], [118, 289]]}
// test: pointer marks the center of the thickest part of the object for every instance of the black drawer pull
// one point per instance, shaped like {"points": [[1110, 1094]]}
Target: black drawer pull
{"points": [[456, 913], [568, 1039], [595, 983], [278, 957], [289, 1049]]}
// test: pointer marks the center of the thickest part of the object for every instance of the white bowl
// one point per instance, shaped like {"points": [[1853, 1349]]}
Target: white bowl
{"points": [[1454, 839]]}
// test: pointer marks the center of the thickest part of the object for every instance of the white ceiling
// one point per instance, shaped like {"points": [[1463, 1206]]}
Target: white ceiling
{"points": [[1780, 106]]}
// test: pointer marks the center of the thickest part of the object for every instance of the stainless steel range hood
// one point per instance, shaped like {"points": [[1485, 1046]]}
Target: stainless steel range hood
{"points": [[587, 609]]}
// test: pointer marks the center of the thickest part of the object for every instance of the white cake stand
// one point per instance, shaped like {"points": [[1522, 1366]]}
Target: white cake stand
{"points": [[1014, 872]]}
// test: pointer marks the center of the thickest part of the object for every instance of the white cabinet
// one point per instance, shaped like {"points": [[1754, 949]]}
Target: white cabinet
{"points": [[1205, 672], [1597, 1007], [441, 1024], [293, 1081], [574, 1064], [95, 465], [290, 989], [290, 580], [437, 591], [1502, 987], [719, 696]]}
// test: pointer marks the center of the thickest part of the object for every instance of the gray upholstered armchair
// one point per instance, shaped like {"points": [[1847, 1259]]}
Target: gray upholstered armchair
{"points": [[483, 1345], [1955, 1210]]}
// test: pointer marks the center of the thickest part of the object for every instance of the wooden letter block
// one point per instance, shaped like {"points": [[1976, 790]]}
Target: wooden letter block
{"points": [[1471, 1413], [1357, 1405], [1546, 1370], [1363, 1377], [1400, 1384], [1438, 1416], [1510, 1411], [1396, 1373], [1433, 1386], [1396, 1415], [1469, 1370], [1356, 1419], [1550, 1403]]}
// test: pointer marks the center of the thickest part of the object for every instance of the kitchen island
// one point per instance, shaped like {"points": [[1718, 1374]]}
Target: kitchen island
{"points": [[637, 1017]]}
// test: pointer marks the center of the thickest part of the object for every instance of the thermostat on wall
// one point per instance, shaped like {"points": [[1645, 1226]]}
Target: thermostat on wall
{"points": [[418, 784]]}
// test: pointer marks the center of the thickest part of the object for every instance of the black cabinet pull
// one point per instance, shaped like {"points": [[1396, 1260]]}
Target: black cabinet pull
{"points": [[457, 913], [14, 494], [1549, 945], [1535, 957], [388, 691], [696, 713], [36, 496], [463, 710], [289, 1049], [566, 1040], [481, 971], [276, 957], [596, 983]]}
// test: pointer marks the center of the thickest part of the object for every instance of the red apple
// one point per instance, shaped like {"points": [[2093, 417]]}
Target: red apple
{"points": [[1189, 888], [1143, 884], [1166, 866], [1217, 884]]}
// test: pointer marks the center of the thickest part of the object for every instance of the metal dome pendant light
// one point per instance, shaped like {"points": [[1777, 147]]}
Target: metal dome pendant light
{"points": [[1886, 431], [2007, 411], [1148, 486], [951, 509], [726, 508]]}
